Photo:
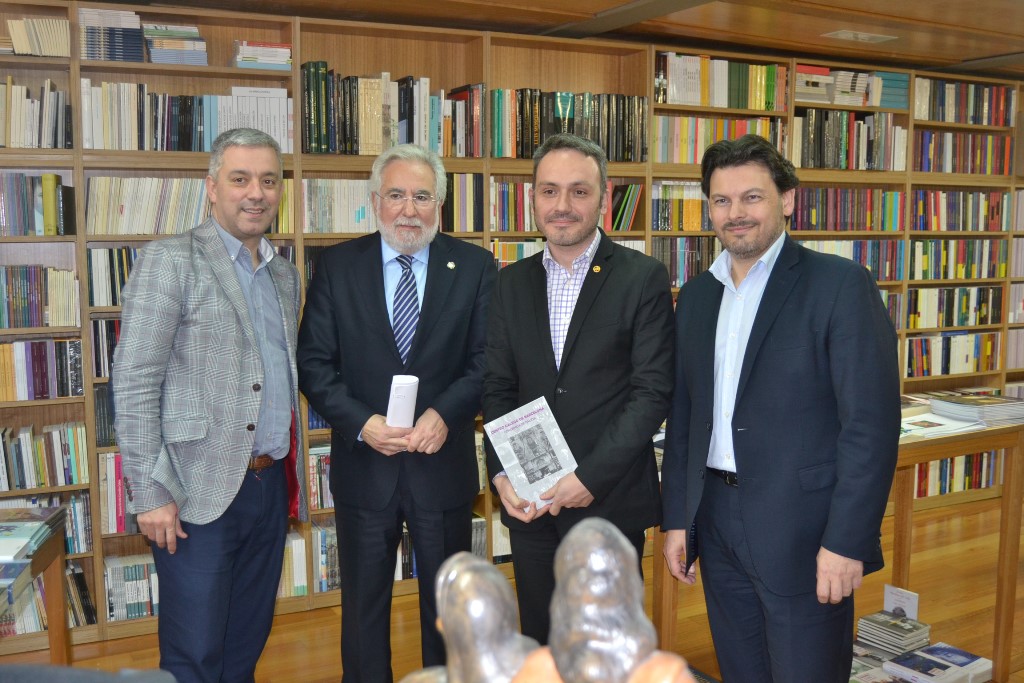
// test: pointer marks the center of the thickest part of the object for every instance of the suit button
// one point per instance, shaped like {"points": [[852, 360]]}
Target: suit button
{"points": [[251, 427], [256, 387], [560, 390]]}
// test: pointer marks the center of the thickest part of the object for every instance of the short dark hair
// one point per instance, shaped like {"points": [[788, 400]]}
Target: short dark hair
{"points": [[749, 149], [578, 144]]}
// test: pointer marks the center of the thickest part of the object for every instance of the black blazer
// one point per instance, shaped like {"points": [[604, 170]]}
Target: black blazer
{"points": [[347, 357], [615, 383], [816, 422]]}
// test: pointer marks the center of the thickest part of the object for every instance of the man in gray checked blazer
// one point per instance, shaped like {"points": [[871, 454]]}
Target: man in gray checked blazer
{"points": [[206, 399]]}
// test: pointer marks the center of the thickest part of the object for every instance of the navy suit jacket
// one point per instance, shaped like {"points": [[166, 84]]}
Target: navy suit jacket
{"points": [[347, 357], [613, 388], [816, 422]]}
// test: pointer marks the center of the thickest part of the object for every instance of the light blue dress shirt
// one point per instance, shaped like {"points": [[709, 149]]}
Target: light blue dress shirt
{"points": [[735, 320], [274, 424]]}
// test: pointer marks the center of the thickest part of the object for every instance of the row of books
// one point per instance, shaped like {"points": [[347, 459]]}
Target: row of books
{"points": [[40, 369], [838, 139], [936, 99], [103, 404], [174, 44], [324, 537], [893, 302], [951, 353], [884, 258], [27, 614], [293, 571], [368, 114], [117, 205], [958, 259], [679, 205], [702, 81], [38, 296], [81, 608], [114, 515], [1015, 352], [848, 208], [132, 586], [110, 35], [507, 253], [127, 116], [35, 205], [521, 120], [821, 84], [961, 473], [977, 211], [331, 205], [1016, 267], [314, 420], [939, 151], [685, 257], [684, 139], [27, 122], [463, 210], [954, 306], [108, 270], [56, 455], [105, 333], [319, 463], [40, 36]]}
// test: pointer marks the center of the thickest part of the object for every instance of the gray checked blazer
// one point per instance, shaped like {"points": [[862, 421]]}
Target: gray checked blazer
{"points": [[186, 377]]}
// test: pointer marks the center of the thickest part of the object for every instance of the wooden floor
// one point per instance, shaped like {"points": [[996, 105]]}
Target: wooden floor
{"points": [[952, 569]]}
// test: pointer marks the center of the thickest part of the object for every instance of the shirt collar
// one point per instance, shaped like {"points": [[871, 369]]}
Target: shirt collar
{"points": [[234, 245], [390, 254], [583, 260], [722, 266]]}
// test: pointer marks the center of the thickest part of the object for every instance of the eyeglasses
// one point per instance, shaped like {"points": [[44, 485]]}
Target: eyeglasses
{"points": [[396, 200]]}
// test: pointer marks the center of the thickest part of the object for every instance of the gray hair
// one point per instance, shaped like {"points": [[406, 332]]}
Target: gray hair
{"points": [[415, 153], [241, 137]]}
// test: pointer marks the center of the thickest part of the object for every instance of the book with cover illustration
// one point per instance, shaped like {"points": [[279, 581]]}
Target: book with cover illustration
{"points": [[918, 668], [531, 448], [978, 669]]}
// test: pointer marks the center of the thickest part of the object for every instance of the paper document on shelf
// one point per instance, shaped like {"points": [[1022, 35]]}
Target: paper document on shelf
{"points": [[402, 403], [930, 424], [532, 449]]}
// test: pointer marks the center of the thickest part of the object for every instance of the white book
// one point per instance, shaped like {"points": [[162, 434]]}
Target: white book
{"points": [[532, 449]]}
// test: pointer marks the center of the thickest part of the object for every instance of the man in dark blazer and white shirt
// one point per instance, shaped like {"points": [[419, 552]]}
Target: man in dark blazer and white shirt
{"points": [[782, 439], [354, 337], [588, 325]]}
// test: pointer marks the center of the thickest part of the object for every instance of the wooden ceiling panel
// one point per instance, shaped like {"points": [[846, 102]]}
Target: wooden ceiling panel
{"points": [[931, 33]]}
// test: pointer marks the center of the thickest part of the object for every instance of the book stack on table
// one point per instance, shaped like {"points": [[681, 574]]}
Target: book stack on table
{"points": [[22, 530]]}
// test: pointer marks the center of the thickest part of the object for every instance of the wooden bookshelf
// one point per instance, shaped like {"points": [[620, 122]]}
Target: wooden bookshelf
{"points": [[451, 58]]}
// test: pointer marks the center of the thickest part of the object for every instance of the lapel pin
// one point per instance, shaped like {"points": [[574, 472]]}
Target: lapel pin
{"points": [[451, 265], [597, 269]]}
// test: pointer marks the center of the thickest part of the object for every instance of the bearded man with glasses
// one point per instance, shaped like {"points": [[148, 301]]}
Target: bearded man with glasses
{"points": [[406, 300]]}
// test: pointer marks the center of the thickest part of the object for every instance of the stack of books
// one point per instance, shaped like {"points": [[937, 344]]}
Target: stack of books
{"points": [[168, 44], [813, 83], [110, 35], [848, 88], [14, 577], [940, 662], [254, 54], [992, 410], [22, 530], [892, 633]]}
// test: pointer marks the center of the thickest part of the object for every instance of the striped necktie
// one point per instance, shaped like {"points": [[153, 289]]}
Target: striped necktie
{"points": [[406, 307]]}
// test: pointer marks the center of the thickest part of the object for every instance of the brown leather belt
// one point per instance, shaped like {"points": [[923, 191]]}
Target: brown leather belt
{"points": [[259, 463]]}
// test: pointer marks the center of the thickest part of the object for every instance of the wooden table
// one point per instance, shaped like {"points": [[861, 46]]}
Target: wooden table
{"points": [[913, 452], [48, 560]]}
